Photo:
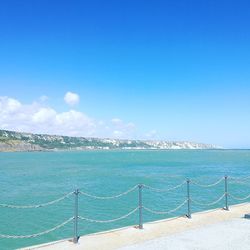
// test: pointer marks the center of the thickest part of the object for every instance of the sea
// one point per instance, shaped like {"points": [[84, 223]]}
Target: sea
{"points": [[31, 178]]}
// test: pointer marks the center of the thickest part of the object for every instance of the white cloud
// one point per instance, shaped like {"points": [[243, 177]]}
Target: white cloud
{"points": [[39, 118], [71, 98], [43, 115], [9, 105], [122, 129], [76, 123]]}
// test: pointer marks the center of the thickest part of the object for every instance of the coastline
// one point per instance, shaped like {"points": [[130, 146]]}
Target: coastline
{"points": [[116, 149], [18, 141], [123, 150]]}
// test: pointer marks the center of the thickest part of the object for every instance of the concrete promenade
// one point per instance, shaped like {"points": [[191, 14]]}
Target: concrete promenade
{"points": [[227, 235], [206, 230]]}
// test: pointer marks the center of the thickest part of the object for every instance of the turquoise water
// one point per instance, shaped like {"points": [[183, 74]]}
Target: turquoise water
{"points": [[31, 178]]}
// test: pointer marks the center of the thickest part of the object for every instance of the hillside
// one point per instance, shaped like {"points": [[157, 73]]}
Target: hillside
{"points": [[15, 141]]}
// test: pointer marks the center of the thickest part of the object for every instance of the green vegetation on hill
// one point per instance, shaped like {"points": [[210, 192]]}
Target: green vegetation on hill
{"points": [[15, 141]]}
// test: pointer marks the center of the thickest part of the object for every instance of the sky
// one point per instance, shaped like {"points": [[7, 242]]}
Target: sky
{"points": [[164, 70]]}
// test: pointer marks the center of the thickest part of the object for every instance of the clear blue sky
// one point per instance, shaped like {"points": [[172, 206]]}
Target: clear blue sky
{"points": [[180, 69]]}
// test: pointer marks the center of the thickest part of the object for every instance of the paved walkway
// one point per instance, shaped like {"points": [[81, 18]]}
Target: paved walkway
{"points": [[228, 235], [213, 229]]}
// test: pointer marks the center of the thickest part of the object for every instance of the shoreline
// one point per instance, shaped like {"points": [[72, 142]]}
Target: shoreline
{"points": [[118, 149]]}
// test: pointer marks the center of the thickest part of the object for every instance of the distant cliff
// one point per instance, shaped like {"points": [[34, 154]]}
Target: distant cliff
{"points": [[15, 141]]}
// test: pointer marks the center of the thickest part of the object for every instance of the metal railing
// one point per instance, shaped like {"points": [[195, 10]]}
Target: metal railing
{"points": [[140, 208]]}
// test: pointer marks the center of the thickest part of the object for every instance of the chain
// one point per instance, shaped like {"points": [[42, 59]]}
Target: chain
{"points": [[112, 220], [239, 178], [165, 212], [239, 198], [209, 185], [163, 190], [208, 204], [37, 234], [108, 197], [38, 205], [235, 181]]}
